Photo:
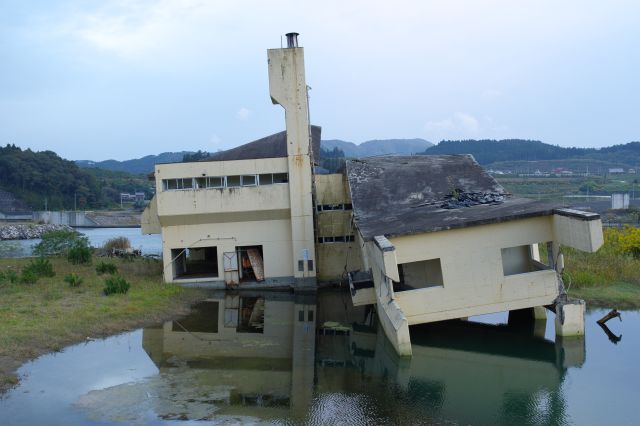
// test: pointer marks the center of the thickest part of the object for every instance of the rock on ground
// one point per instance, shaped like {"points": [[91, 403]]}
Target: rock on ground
{"points": [[27, 232]]}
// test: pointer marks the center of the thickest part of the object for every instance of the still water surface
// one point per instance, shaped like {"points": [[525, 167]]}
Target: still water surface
{"points": [[314, 359], [149, 244]]}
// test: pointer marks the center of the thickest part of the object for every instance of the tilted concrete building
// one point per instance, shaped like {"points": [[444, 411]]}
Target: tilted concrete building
{"points": [[424, 238]]}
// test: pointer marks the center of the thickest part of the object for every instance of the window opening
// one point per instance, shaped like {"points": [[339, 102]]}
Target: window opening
{"points": [[280, 178], [248, 180], [233, 181], [419, 275], [201, 262], [266, 179]]}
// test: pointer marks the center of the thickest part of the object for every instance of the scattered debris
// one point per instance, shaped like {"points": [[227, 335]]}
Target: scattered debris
{"points": [[460, 198], [125, 253], [612, 314]]}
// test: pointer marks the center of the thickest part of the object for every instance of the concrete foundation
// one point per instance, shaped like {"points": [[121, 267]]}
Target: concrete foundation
{"points": [[570, 318]]}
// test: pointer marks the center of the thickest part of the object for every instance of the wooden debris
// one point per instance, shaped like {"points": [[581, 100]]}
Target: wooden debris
{"points": [[612, 314]]}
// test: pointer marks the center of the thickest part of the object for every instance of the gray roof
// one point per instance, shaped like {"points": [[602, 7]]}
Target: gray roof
{"points": [[395, 196], [273, 146]]}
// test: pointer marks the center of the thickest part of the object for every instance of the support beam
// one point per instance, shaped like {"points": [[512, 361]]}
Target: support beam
{"points": [[570, 317]]}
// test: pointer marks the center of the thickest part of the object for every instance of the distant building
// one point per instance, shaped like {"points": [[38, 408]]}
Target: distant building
{"points": [[620, 201], [616, 171], [632, 171], [136, 197]]}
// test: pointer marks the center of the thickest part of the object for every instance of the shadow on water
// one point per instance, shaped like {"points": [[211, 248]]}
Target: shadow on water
{"points": [[314, 359]]}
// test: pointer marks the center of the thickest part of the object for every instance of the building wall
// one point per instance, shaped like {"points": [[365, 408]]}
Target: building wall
{"points": [[472, 270], [273, 235], [226, 218], [337, 254]]}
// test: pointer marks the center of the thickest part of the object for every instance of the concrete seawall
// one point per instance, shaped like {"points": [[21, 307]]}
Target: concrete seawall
{"points": [[90, 219]]}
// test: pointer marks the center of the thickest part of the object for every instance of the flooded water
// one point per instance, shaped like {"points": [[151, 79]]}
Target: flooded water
{"points": [[314, 359], [149, 244]]}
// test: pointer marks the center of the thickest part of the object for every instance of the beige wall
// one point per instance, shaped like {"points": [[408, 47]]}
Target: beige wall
{"points": [[472, 271], [333, 257], [274, 236]]}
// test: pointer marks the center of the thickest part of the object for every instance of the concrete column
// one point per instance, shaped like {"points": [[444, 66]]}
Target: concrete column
{"points": [[539, 313], [570, 318]]}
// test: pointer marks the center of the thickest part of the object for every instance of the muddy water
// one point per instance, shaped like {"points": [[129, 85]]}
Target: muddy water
{"points": [[314, 359]]}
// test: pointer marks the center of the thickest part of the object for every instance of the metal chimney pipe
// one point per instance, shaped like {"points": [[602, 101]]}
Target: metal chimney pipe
{"points": [[292, 39]]}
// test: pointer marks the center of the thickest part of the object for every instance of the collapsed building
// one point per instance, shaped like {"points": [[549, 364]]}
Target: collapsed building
{"points": [[423, 238]]}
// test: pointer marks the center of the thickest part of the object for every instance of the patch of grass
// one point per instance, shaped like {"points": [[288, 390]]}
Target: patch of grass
{"points": [[73, 279], [40, 267], [116, 285], [609, 277], [106, 268], [28, 277], [50, 314], [79, 253]]}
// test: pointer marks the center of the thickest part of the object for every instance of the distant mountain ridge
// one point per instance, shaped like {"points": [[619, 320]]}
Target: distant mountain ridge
{"points": [[378, 147], [365, 149], [489, 151], [136, 165]]}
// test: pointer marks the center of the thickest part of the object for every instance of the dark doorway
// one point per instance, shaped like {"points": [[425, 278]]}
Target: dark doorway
{"points": [[200, 262], [250, 263]]}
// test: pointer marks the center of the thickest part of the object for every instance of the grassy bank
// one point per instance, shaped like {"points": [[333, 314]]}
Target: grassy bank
{"points": [[609, 278], [50, 314]]}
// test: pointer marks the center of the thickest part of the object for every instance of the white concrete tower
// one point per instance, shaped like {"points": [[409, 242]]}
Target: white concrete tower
{"points": [[287, 87]]}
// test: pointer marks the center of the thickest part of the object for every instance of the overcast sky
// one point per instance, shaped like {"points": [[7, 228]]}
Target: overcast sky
{"points": [[121, 79]]}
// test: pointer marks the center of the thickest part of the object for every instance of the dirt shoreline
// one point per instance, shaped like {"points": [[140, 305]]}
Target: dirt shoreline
{"points": [[10, 364]]}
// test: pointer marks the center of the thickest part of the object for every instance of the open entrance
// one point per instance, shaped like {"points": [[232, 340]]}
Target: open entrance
{"points": [[201, 262], [250, 263], [417, 275]]}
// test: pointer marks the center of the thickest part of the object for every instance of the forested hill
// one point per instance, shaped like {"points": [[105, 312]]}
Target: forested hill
{"points": [[35, 176], [488, 151], [137, 165]]}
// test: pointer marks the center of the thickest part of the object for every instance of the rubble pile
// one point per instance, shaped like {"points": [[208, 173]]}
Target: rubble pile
{"points": [[459, 199], [27, 232]]}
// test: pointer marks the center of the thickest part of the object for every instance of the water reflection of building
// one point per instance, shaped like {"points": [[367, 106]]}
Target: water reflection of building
{"points": [[252, 353], [460, 371]]}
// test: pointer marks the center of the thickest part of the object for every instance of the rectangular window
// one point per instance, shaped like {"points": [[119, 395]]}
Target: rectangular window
{"points": [[310, 316], [310, 265], [187, 183], [233, 181], [301, 316], [523, 259], [266, 179], [248, 180], [301, 265], [197, 262], [201, 182], [215, 182], [280, 178], [421, 274]]}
